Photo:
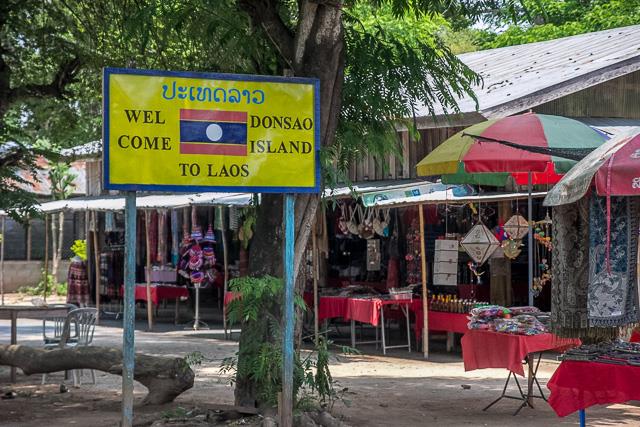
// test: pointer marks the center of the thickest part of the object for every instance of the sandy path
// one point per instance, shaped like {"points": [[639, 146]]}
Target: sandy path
{"points": [[396, 390]]}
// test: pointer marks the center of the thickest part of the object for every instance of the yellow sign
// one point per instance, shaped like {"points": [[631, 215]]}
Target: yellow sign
{"points": [[173, 131]]}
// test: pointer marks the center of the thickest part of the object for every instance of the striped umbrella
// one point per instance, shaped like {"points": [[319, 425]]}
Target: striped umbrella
{"points": [[488, 153]]}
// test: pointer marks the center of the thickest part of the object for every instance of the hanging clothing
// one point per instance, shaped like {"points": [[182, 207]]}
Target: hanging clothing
{"points": [[111, 273], [570, 270], [612, 261], [78, 283]]}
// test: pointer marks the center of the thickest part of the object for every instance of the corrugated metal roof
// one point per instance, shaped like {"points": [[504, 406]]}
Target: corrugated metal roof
{"points": [[89, 150], [449, 197], [519, 77], [161, 201]]}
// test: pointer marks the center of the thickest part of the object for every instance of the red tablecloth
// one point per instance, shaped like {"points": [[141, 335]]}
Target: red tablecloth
{"points": [[332, 307], [158, 292], [635, 336], [439, 320], [365, 310], [487, 349], [578, 385]]}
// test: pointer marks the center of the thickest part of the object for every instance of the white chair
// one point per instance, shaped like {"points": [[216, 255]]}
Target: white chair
{"points": [[84, 325], [55, 325]]}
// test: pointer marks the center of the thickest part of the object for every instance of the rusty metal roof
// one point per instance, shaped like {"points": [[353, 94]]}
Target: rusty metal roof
{"points": [[517, 78]]}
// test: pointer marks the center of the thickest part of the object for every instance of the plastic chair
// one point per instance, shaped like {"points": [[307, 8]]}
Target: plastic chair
{"points": [[84, 323], [56, 325]]}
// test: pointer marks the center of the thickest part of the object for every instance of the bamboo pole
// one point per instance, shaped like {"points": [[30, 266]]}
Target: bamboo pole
{"points": [[225, 261], [96, 257], [2, 236], [314, 255], [147, 226], [425, 305]]}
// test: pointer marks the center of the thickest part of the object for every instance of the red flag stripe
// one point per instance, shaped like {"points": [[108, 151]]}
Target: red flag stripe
{"points": [[223, 116], [219, 149]]}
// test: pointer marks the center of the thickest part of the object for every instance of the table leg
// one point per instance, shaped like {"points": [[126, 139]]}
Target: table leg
{"points": [[583, 418], [384, 343], [530, 378], [175, 318], [353, 333], [449, 341], [14, 340], [405, 310]]}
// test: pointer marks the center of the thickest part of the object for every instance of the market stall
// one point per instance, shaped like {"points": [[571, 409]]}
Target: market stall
{"points": [[159, 244], [388, 258], [602, 295]]}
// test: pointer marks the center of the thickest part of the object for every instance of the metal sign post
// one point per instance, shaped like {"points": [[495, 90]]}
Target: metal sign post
{"points": [[129, 318], [185, 131], [289, 316]]}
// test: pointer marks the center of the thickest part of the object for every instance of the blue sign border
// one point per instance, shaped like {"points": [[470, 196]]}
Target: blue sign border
{"points": [[108, 71]]}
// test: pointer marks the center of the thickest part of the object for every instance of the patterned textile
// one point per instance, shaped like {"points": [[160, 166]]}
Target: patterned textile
{"points": [[78, 283], [570, 270], [612, 291], [111, 273]]}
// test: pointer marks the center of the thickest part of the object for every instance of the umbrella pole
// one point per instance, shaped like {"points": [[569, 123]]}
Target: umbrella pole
{"points": [[530, 237], [425, 305]]}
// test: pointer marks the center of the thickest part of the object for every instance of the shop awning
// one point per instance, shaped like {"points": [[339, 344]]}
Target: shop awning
{"points": [[449, 196], [160, 201]]}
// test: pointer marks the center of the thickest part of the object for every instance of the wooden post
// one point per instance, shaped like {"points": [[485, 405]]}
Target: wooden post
{"points": [[175, 238], [129, 318], [314, 255], [425, 300], [225, 260], [185, 220], [45, 271], [96, 257], [289, 315], [3, 237], [147, 226], [28, 239]]}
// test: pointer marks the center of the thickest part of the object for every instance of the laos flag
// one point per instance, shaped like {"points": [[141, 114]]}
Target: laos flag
{"points": [[213, 132]]}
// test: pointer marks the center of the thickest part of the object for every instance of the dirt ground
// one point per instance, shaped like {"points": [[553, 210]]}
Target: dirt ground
{"points": [[399, 389]]}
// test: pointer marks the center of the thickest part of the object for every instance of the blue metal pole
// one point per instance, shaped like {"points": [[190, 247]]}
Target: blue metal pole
{"points": [[289, 320], [583, 418], [128, 324]]}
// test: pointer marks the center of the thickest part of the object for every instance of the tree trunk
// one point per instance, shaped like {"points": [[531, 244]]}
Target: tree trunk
{"points": [[315, 50], [164, 377]]}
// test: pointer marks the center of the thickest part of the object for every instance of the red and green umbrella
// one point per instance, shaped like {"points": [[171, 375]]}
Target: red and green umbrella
{"points": [[614, 168], [530, 142]]}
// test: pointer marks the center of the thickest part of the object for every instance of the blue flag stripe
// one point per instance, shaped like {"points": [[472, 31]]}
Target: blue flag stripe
{"points": [[196, 131]]}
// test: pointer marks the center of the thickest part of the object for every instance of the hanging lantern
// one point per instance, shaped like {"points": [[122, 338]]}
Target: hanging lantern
{"points": [[517, 227], [480, 243], [512, 248]]}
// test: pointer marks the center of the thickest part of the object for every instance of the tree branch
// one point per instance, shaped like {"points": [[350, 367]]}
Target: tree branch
{"points": [[264, 15], [65, 75], [165, 377]]}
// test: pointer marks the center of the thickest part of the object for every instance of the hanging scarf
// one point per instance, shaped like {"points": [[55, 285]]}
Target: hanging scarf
{"points": [[613, 251], [570, 270]]}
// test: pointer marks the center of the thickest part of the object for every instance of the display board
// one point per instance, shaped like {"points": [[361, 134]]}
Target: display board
{"points": [[183, 131]]}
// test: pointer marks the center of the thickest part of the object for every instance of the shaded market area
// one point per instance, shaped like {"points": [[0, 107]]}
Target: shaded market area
{"points": [[487, 276]]}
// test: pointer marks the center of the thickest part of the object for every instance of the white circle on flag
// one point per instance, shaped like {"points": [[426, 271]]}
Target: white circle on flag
{"points": [[214, 132]]}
